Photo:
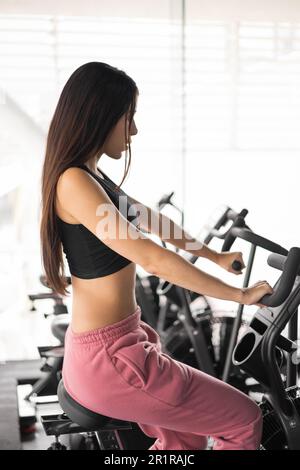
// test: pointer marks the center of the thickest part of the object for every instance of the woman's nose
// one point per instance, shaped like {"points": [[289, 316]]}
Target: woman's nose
{"points": [[133, 129]]}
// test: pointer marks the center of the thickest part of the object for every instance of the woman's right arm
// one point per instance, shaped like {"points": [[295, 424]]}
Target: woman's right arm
{"points": [[85, 200]]}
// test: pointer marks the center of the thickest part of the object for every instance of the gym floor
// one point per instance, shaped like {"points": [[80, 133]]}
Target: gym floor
{"points": [[37, 440], [19, 360]]}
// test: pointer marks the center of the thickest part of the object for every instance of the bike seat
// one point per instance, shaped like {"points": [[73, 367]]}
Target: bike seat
{"points": [[83, 416]]}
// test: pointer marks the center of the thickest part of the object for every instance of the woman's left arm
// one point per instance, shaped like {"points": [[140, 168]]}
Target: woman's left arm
{"points": [[152, 221]]}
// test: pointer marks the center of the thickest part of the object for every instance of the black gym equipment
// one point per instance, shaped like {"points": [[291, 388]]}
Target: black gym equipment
{"points": [[260, 350], [240, 230]]}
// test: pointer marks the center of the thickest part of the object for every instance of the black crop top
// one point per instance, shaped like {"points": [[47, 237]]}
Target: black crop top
{"points": [[87, 256]]}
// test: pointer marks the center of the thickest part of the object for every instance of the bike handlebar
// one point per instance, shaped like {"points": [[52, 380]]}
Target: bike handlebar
{"points": [[251, 237], [290, 266]]}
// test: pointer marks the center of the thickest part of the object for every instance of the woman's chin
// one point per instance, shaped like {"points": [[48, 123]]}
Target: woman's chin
{"points": [[116, 156]]}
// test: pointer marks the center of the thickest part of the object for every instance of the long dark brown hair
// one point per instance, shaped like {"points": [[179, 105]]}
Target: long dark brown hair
{"points": [[92, 101]]}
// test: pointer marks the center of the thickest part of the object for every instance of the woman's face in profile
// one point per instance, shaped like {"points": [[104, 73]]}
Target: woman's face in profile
{"points": [[116, 141]]}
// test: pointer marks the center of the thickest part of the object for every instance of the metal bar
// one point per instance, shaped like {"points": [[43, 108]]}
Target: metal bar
{"points": [[238, 318], [291, 373]]}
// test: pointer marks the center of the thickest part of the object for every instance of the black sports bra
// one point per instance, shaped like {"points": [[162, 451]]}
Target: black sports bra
{"points": [[87, 256]]}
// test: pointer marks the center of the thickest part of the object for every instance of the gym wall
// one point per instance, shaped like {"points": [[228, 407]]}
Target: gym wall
{"points": [[218, 112]]}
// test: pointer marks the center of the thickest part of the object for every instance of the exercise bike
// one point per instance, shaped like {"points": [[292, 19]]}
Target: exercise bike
{"points": [[262, 349]]}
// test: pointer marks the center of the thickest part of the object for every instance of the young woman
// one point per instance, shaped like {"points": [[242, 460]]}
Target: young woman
{"points": [[113, 361]]}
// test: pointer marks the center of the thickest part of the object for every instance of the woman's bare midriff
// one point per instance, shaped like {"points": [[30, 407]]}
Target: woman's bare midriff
{"points": [[103, 301]]}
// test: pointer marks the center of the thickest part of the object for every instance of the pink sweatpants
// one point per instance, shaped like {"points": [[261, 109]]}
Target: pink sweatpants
{"points": [[121, 372]]}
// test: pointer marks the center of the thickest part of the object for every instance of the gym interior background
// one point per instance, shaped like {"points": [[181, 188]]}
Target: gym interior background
{"points": [[218, 119]]}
